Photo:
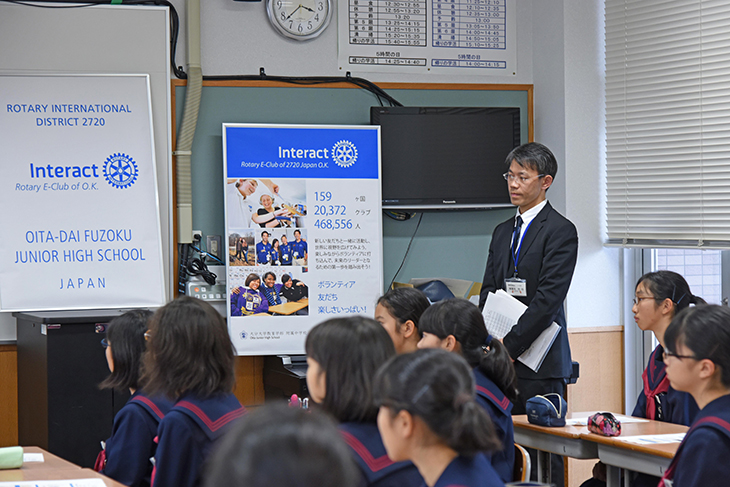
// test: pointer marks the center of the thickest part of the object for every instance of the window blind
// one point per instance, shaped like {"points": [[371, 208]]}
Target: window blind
{"points": [[668, 123]]}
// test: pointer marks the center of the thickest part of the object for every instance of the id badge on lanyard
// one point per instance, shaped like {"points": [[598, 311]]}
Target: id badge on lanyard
{"points": [[514, 285]]}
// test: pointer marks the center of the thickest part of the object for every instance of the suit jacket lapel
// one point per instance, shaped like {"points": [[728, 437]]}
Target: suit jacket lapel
{"points": [[534, 229]]}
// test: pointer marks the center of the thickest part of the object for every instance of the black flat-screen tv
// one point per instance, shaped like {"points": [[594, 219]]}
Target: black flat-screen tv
{"points": [[445, 157]]}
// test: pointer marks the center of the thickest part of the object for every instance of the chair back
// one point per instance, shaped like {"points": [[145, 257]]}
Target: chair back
{"points": [[521, 471]]}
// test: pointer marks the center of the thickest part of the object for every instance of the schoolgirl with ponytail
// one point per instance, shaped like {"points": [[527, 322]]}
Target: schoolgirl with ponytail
{"points": [[429, 415], [659, 297], [456, 325]]}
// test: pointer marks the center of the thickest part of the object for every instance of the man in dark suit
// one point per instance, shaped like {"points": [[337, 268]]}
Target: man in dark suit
{"points": [[533, 256]]}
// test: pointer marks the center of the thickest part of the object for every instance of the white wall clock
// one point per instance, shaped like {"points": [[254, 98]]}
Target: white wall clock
{"points": [[299, 19]]}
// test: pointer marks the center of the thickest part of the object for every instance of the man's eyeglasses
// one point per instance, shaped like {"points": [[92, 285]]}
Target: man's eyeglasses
{"points": [[509, 177]]}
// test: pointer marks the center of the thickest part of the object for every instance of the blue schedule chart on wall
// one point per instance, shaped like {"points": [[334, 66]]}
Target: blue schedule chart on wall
{"points": [[303, 227]]}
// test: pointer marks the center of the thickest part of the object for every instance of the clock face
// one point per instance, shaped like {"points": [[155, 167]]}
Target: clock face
{"points": [[299, 19]]}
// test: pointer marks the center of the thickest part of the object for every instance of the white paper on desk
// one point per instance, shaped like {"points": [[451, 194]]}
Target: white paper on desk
{"points": [[32, 457], [56, 483], [583, 420], [501, 312], [653, 439]]}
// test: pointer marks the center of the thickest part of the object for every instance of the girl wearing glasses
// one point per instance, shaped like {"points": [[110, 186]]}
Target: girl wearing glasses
{"points": [[697, 357], [429, 415], [126, 455], [659, 296]]}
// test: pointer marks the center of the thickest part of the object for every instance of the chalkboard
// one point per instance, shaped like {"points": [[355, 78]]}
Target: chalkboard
{"points": [[448, 243]]}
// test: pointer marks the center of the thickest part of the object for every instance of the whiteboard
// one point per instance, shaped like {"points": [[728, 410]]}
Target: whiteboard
{"points": [[101, 39]]}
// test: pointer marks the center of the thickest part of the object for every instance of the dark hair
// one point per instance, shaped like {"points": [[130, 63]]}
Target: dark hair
{"points": [[705, 330], [285, 278], [534, 156], [265, 232], [438, 387], [463, 320], [269, 274], [669, 285], [349, 351], [189, 351], [297, 231], [126, 333], [405, 303], [251, 278], [279, 445], [274, 242]]}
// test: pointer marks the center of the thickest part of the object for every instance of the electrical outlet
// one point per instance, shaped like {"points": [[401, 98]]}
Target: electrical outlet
{"points": [[197, 235], [213, 245]]}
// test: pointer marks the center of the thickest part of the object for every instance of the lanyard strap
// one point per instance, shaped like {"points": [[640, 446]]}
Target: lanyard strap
{"points": [[516, 255]]}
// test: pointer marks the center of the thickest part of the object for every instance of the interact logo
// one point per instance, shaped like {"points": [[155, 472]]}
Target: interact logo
{"points": [[344, 153], [120, 170]]}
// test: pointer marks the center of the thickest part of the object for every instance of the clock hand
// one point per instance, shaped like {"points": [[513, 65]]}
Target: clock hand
{"points": [[307, 8], [293, 12]]}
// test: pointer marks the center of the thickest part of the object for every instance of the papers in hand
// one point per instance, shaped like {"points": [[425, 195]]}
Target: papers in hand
{"points": [[501, 312]]}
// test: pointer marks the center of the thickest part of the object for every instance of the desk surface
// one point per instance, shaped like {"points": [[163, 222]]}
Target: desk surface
{"points": [[51, 468], [573, 432], [289, 308], [666, 450]]}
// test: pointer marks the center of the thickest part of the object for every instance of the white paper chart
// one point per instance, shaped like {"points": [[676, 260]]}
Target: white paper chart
{"points": [[417, 36]]}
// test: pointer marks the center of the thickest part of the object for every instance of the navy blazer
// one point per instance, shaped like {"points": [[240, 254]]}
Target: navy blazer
{"points": [[469, 472], [131, 445], [186, 436], [369, 453], [499, 408], [547, 260], [676, 407], [702, 457]]}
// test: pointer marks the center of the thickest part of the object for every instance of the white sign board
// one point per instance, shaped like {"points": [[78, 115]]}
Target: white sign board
{"points": [[304, 230], [80, 224], [466, 37]]}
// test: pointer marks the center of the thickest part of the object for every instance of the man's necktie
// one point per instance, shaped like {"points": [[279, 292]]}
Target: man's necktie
{"points": [[516, 236]]}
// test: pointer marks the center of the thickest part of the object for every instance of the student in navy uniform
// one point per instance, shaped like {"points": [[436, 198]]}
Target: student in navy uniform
{"points": [[285, 251], [249, 300], [127, 453], [275, 253], [190, 359], [429, 415], [343, 355], [456, 325], [277, 445], [659, 296], [293, 289], [299, 249], [263, 249], [398, 311], [697, 356]]}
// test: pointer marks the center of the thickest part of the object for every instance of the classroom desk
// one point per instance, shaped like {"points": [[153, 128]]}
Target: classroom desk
{"points": [[578, 442], [648, 459], [290, 307], [51, 468], [564, 441]]}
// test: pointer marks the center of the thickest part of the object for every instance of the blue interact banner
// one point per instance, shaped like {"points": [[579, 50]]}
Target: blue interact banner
{"points": [[302, 152], [304, 230]]}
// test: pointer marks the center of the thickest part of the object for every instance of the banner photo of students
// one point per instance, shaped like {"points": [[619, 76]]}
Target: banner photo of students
{"points": [[81, 226], [304, 230]]}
